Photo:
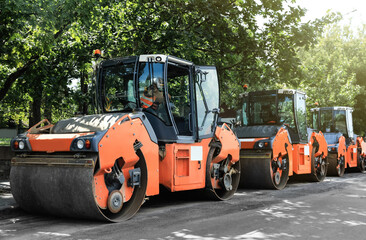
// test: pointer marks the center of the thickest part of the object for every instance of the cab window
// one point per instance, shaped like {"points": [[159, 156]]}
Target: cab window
{"points": [[152, 90], [118, 87], [179, 98]]}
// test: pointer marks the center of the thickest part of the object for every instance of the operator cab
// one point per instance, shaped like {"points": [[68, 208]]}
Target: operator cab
{"points": [[276, 108], [180, 100], [333, 120]]}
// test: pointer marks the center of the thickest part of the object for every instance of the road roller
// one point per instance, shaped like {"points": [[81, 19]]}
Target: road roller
{"points": [[155, 124], [275, 143], [345, 149]]}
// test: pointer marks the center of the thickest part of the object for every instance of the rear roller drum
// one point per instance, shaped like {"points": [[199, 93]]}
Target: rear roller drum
{"points": [[319, 167], [336, 165], [280, 170], [222, 179]]}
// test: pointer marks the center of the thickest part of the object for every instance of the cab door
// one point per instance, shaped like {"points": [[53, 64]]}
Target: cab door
{"points": [[207, 100], [194, 107], [186, 154]]}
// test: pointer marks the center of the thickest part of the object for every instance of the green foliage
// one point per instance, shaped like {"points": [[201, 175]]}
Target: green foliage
{"points": [[47, 44], [5, 141], [333, 71]]}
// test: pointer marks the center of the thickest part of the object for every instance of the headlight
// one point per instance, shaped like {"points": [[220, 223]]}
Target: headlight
{"points": [[329, 149], [80, 144], [21, 145], [261, 144]]}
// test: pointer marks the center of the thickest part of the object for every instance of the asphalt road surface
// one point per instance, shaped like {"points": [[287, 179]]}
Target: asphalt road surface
{"points": [[333, 209]]}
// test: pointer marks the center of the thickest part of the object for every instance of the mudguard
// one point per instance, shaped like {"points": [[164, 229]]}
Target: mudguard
{"points": [[342, 149], [362, 145], [282, 146], [230, 146], [318, 141], [120, 141]]}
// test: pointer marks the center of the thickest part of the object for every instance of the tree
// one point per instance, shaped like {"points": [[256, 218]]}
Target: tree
{"points": [[55, 39], [333, 71]]}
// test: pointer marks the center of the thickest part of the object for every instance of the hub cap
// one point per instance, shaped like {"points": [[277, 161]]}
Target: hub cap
{"points": [[115, 201], [227, 182]]}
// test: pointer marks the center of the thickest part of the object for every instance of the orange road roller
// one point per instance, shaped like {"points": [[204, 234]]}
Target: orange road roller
{"points": [[275, 143], [345, 149], [155, 124]]}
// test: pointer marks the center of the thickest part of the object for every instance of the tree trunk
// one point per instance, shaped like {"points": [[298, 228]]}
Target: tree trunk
{"points": [[48, 112], [35, 109], [83, 108], [35, 114]]}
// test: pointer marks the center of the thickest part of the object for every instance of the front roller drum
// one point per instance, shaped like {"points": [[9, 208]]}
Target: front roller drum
{"points": [[260, 170], [69, 191], [336, 165]]}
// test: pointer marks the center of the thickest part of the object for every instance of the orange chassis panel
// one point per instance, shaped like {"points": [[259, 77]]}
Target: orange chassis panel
{"points": [[302, 153], [351, 156], [184, 165]]}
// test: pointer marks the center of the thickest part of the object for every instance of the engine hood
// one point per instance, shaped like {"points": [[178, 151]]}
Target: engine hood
{"points": [[88, 123], [256, 131], [332, 138]]}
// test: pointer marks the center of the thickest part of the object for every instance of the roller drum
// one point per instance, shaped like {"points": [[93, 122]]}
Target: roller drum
{"points": [[257, 171], [66, 190], [335, 167]]}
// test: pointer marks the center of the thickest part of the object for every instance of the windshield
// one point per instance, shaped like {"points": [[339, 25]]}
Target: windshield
{"points": [[262, 110], [326, 121], [333, 121], [285, 110], [340, 121], [118, 87]]}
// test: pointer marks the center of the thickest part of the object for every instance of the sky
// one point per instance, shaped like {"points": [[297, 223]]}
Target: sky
{"points": [[353, 11]]}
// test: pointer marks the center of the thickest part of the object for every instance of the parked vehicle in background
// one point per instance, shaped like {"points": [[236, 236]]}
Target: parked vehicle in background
{"points": [[346, 150], [272, 128]]}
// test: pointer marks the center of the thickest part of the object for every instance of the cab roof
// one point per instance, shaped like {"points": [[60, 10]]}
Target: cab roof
{"points": [[332, 108], [278, 91]]}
